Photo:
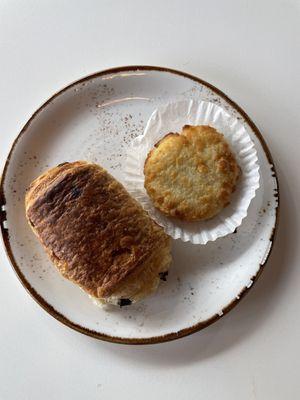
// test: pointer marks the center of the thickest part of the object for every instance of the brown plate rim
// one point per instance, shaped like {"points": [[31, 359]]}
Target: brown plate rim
{"points": [[115, 339]]}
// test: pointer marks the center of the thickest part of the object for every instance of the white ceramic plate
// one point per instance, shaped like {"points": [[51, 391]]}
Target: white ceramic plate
{"points": [[95, 119]]}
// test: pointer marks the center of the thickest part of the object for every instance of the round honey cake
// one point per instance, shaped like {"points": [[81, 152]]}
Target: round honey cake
{"points": [[191, 175]]}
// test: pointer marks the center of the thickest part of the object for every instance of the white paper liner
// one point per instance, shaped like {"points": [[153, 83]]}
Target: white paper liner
{"points": [[171, 118]]}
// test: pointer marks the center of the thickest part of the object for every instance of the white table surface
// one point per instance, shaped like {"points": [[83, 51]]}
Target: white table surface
{"points": [[251, 51]]}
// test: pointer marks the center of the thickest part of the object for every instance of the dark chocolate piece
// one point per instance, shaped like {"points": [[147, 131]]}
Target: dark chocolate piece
{"points": [[163, 275], [124, 302]]}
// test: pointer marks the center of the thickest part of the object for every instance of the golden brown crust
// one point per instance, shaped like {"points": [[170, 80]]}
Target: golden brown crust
{"points": [[93, 230], [191, 176]]}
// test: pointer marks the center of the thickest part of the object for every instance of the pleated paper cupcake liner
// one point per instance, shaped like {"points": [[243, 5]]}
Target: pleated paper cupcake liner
{"points": [[171, 118]]}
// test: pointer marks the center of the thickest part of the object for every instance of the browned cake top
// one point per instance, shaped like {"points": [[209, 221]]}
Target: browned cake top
{"points": [[93, 230], [191, 176]]}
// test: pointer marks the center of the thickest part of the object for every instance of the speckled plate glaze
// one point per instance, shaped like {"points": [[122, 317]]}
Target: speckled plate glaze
{"points": [[95, 119]]}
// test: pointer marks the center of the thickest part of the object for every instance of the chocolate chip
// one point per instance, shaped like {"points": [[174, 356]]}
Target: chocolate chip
{"points": [[75, 192], [124, 302], [163, 275]]}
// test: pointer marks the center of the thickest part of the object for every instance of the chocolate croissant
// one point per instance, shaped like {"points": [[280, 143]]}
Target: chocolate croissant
{"points": [[96, 234]]}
